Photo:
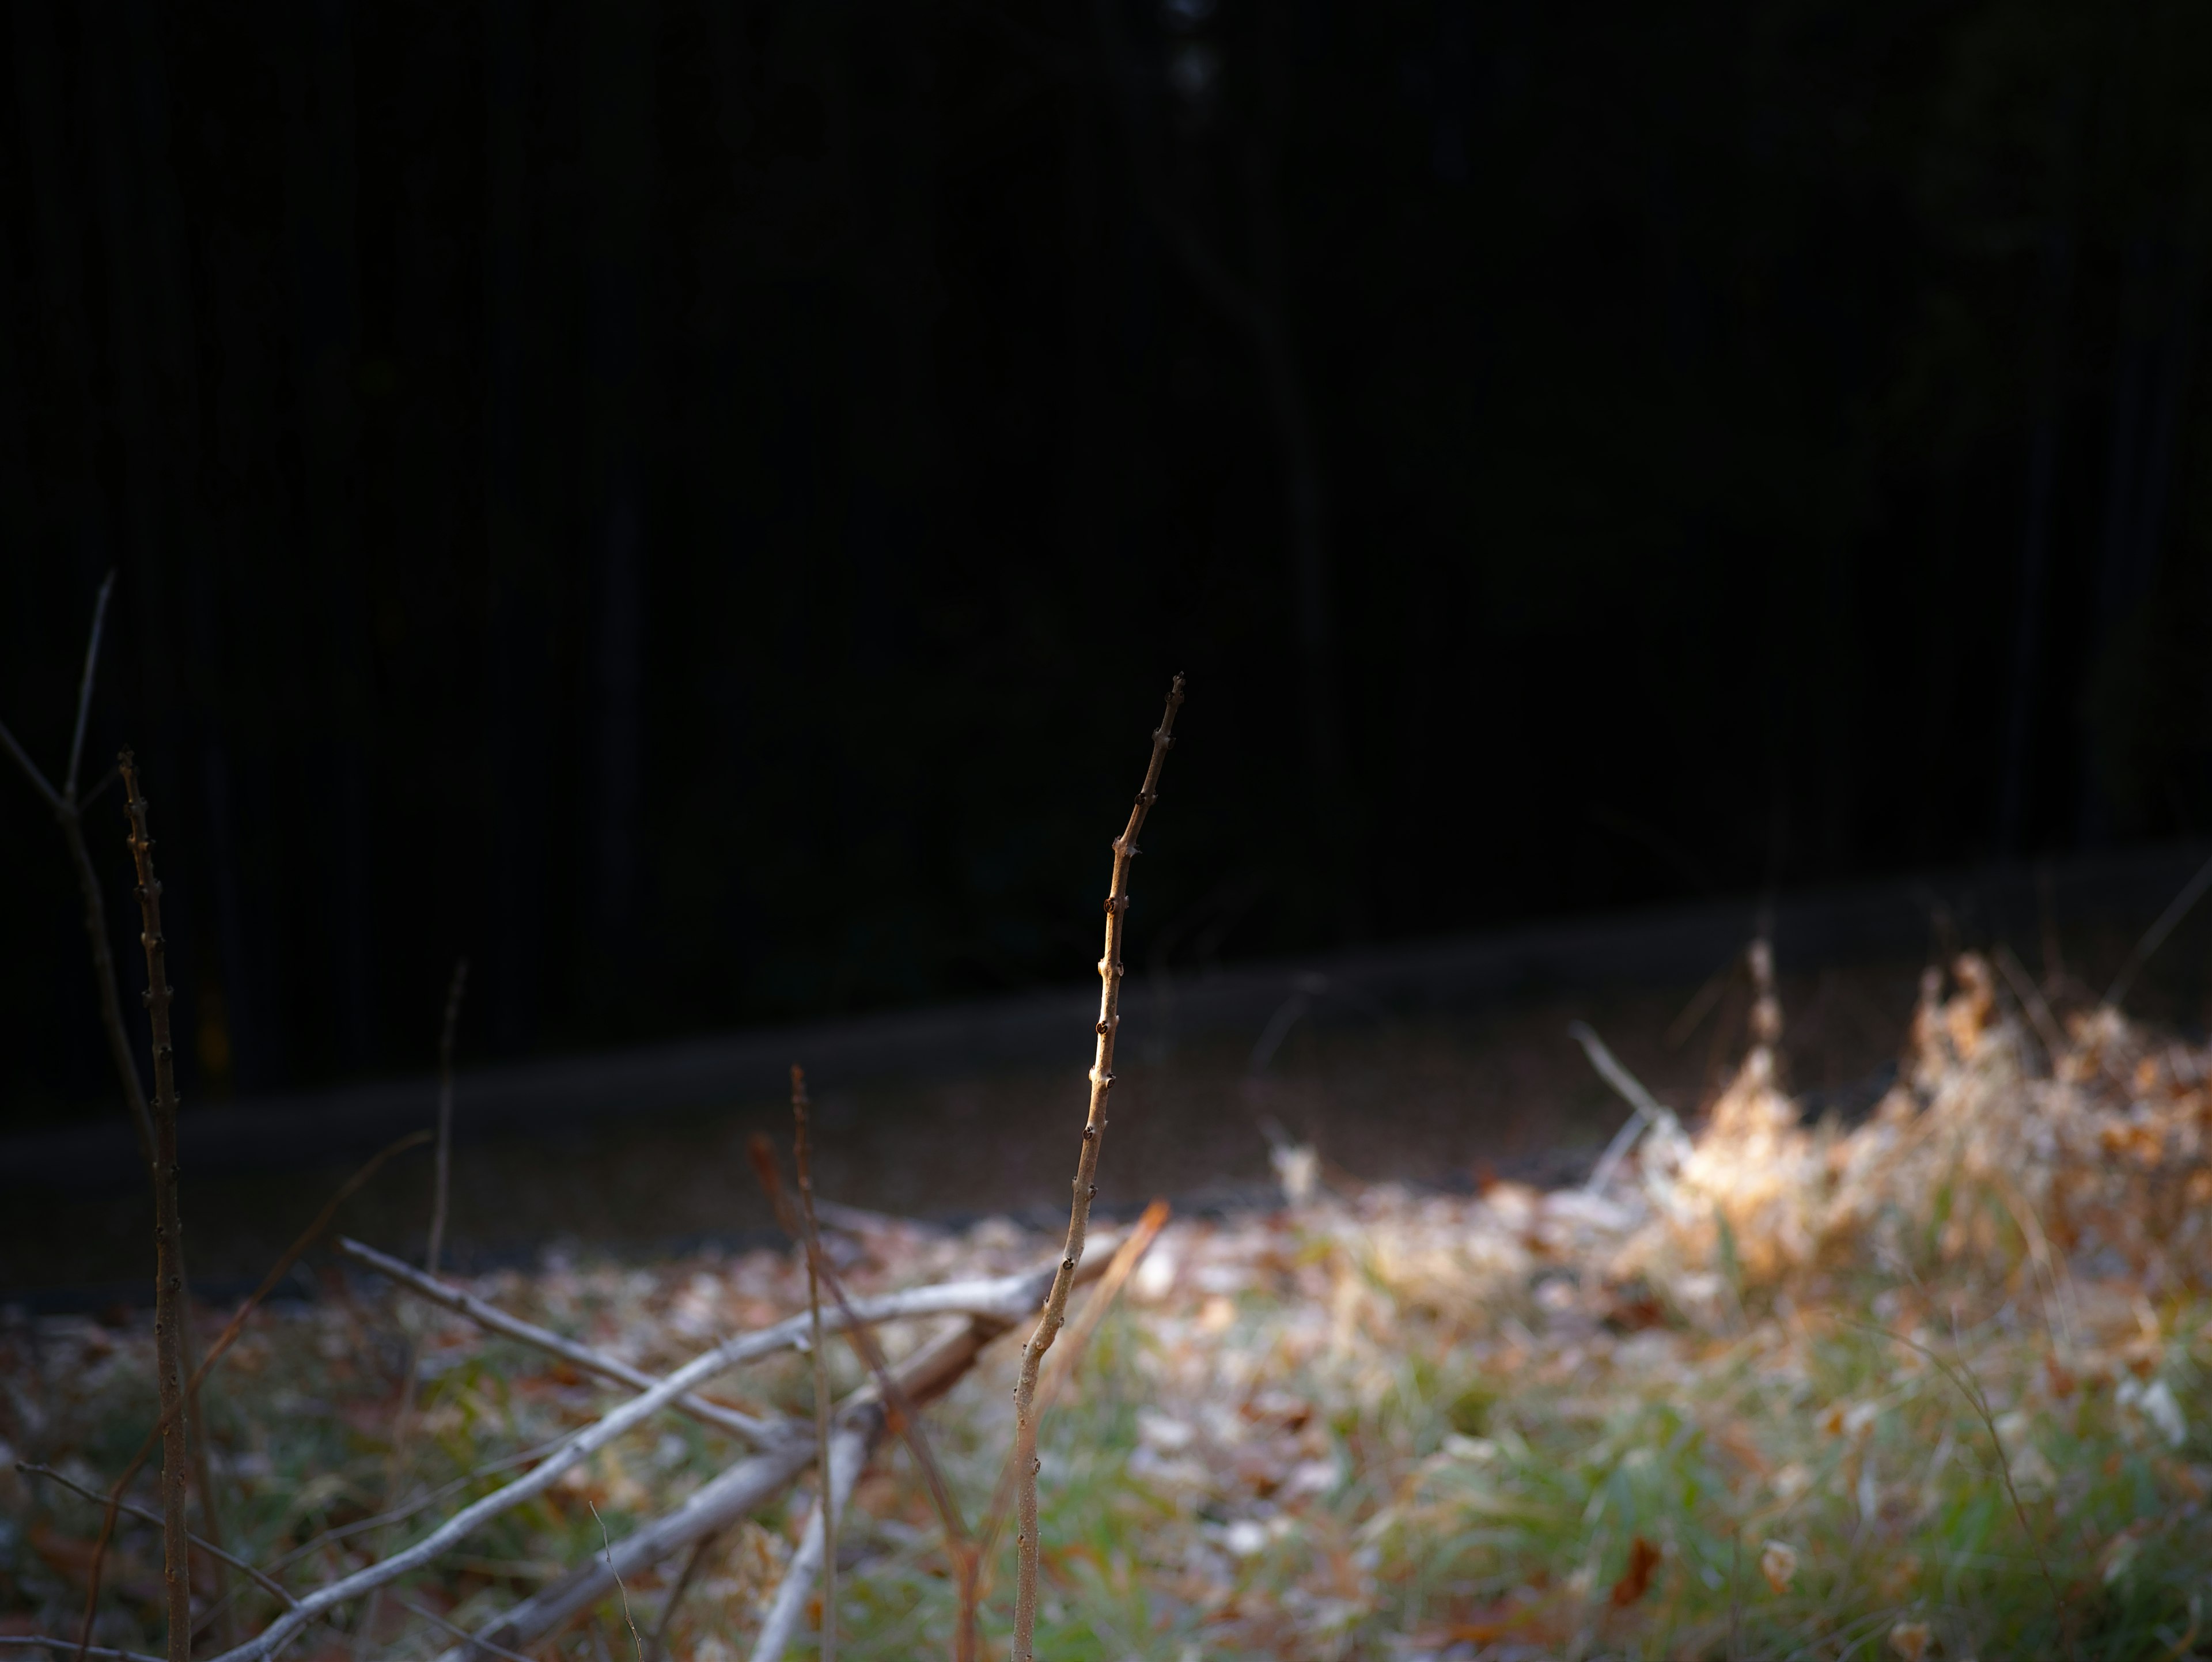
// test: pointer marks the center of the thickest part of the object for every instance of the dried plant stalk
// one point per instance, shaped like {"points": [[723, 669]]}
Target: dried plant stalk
{"points": [[1079, 1218], [442, 1172], [803, 1158], [168, 1233]]}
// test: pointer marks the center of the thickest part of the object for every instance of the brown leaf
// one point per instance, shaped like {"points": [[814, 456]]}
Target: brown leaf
{"points": [[1643, 1559]]}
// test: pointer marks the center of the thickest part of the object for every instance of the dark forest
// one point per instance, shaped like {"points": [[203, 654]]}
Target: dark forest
{"points": [[693, 505]]}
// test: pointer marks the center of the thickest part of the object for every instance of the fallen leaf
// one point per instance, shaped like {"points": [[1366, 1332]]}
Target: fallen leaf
{"points": [[1777, 1562], [1636, 1581]]}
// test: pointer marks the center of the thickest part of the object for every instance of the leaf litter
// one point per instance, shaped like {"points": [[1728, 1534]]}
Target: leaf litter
{"points": [[1935, 1385]]}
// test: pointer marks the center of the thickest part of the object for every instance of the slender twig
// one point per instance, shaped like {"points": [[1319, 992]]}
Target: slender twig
{"points": [[459, 1631], [84, 686], [442, 1171], [215, 1353], [489, 1317], [849, 1452], [2032, 1001], [38, 782], [40, 1642], [1125, 1259], [169, 1316], [68, 809], [2155, 937], [1086, 1172], [803, 1161], [268, 1583], [608, 1547], [656, 1647], [903, 1417], [1649, 1110], [400, 1459]]}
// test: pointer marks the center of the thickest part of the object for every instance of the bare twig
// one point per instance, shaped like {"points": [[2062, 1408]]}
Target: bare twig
{"points": [[215, 1353], [2155, 937], [849, 1452], [459, 1631], [656, 1647], [84, 686], [1125, 1259], [802, 1160], [68, 809], [903, 1414], [169, 1315], [268, 1583], [2032, 1001], [442, 1171], [1649, 1110], [40, 1642], [608, 1547], [1086, 1172], [490, 1317], [400, 1460]]}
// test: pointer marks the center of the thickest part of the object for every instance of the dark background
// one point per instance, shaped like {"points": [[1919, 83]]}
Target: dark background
{"points": [[695, 505]]}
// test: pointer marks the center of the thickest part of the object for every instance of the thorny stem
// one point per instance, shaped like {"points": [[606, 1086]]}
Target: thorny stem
{"points": [[168, 1231], [1087, 1187], [223, 1341], [444, 1168], [802, 1157]]}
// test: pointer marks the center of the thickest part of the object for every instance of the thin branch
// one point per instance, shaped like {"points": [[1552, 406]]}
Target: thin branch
{"points": [[1087, 1171], [459, 1631], [1648, 1109], [223, 1341], [1125, 1259], [1004, 1300], [656, 1647], [54, 799], [802, 1158], [41, 1641], [84, 686], [849, 1452], [904, 1419], [443, 1169], [608, 1547], [490, 1317], [2155, 937], [268, 1583], [169, 1316]]}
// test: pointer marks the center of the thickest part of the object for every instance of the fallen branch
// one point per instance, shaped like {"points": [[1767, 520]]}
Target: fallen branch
{"points": [[921, 1378], [1086, 1188], [752, 1427], [1005, 1301], [40, 1642]]}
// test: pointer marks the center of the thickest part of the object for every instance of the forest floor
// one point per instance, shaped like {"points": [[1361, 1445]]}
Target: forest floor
{"points": [[1933, 1381]]}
